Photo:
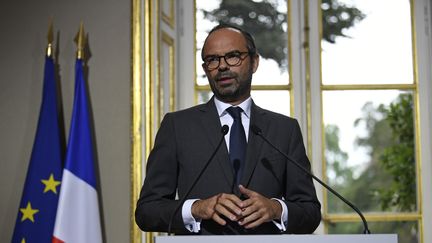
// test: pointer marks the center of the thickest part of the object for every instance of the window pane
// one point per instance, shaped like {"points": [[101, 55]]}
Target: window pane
{"points": [[265, 20], [274, 100], [369, 150], [407, 231], [376, 50]]}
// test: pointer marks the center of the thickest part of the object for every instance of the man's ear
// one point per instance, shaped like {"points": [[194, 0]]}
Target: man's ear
{"points": [[204, 67], [255, 62]]}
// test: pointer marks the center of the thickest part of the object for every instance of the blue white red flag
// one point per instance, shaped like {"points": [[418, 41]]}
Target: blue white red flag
{"points": [[78, 218]]}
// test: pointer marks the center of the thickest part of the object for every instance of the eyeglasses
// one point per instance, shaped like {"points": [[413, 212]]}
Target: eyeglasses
{"points": [[233, 58]]}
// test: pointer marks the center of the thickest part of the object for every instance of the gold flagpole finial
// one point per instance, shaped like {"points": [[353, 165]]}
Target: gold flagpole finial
{"points": [[80, 41], [50, 38]]}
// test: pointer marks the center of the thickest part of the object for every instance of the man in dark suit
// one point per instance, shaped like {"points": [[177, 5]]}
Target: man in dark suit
{"points": [[248, 187]]}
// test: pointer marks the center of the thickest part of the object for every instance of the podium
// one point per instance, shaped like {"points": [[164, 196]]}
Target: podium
{"points": [[352, 238]]}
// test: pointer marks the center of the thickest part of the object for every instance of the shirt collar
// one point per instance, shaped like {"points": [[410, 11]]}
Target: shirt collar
{"points": [[222, 106]]}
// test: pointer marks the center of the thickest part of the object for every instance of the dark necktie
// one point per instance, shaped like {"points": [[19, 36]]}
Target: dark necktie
{"points": [[237, 147]]}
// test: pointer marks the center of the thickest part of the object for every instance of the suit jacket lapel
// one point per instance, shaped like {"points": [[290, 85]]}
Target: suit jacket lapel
{"points": [[211, 123], [254, 143]]}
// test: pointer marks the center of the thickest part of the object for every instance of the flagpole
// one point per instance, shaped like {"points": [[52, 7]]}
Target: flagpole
{"points": [[50, 38], [80, 40]]}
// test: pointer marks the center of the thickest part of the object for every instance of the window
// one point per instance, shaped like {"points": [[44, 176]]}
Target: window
{"points": [[369, 124], [350, 74]]}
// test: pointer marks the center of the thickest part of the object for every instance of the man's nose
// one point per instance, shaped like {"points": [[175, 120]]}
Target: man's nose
{"points": [[222, 64]]}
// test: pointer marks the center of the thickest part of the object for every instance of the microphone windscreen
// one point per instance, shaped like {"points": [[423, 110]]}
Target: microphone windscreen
{"points": [[225, 129], [255, 129]]}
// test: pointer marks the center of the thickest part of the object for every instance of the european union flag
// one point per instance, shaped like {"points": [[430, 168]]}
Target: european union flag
{"points": [[38, 206]]}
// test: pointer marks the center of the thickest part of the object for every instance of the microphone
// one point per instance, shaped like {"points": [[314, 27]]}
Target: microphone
{"points": [[224, 131], [257, 131]]}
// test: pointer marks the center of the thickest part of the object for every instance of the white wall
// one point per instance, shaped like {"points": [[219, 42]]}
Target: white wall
{"points": [[23, 28]]}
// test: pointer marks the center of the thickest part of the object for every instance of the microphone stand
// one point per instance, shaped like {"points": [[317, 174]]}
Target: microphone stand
{"points": [[258, 132], [224, 131]]}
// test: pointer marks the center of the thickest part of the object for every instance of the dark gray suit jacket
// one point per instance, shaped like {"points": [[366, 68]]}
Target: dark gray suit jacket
{"points": [[184, 143]]}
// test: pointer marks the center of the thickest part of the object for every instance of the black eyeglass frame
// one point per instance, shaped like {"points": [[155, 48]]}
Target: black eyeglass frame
{"points": [[237, 63]]}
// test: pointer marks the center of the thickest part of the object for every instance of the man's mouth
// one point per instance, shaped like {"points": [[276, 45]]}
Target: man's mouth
{"points": [[225, 80]]}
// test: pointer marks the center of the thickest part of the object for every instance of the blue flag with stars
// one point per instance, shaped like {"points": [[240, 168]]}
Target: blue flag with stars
{"points": [[38, 206]]}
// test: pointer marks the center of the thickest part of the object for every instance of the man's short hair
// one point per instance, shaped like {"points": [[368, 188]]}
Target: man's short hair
{"points": [[250, 43]]}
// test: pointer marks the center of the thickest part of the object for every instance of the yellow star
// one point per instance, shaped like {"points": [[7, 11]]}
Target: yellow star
{"points": [[28, 212], [51, 184]]}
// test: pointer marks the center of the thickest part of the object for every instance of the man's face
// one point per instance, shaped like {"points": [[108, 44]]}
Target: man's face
{"points": [[231, 84]]}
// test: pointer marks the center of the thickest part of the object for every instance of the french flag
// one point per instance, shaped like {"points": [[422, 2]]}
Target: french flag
{"points": [[78, 218]]}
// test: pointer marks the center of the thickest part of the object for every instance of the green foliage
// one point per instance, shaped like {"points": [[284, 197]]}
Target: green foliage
{"points": [[336, 158], [378, 130], [337, 17], [269, 26], [388, 183], [336, 163], [391, 142], [399, 158]]}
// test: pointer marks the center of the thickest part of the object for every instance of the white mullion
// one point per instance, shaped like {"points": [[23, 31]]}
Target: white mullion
{"points": [[423, 21], [315, 96]]}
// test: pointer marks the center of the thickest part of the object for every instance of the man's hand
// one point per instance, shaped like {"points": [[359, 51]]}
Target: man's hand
{"points": [[257, 209], [228, 205], [250, 213]]}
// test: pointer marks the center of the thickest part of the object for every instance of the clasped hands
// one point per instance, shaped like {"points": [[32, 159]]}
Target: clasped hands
{"points": [[249, 213]]}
